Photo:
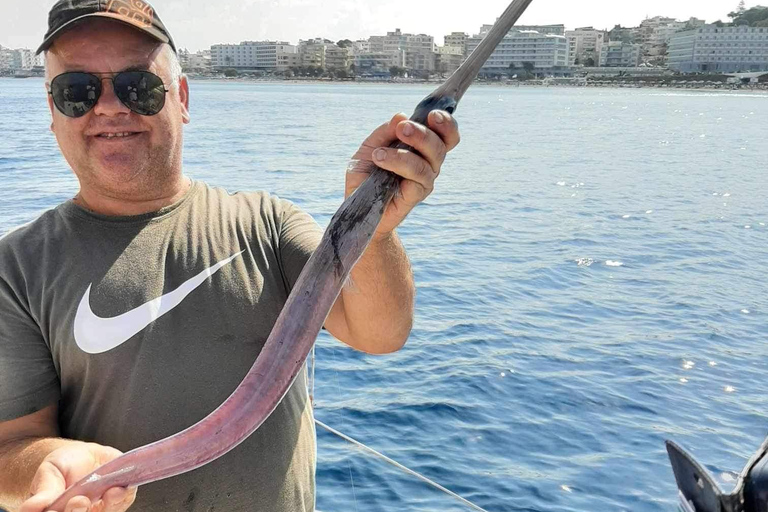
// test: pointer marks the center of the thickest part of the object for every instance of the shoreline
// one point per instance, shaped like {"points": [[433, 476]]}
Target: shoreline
{"points": [[693, 86]]}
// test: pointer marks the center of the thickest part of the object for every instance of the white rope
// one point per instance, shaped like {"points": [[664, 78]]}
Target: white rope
{"points": [[400, 466]]}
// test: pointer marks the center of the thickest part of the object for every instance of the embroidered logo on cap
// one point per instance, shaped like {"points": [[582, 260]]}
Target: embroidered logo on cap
{"points": [[136, 10]]}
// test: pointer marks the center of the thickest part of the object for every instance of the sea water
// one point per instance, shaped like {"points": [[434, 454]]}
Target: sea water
{"points": [[592, 273]]}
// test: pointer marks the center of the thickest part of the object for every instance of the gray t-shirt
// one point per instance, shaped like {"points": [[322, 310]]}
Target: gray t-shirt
{"points": [[82, 322]]}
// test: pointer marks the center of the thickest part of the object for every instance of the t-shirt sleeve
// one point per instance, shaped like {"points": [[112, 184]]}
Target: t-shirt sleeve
{"points": [[28, 378], [299, 237]]}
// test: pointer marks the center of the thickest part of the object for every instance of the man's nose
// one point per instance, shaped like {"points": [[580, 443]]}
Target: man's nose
{"points": [[109, 104]]}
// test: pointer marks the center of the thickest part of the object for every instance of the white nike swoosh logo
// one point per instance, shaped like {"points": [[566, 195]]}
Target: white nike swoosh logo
{"points": [[96, 335]]}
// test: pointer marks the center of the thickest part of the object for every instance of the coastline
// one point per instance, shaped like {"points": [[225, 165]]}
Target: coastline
{"points": [[693, 86], [627, 83]]}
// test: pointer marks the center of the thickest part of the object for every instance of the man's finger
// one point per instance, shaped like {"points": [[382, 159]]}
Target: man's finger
{"points": [[412, 193], [118, 499], [424, 141], [41, 501], [406, 164], [78, 504], [445, 125], [46, 486], [384, 135]]}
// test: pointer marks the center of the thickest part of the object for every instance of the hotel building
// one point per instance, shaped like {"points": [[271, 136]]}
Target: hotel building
{"points": [[547, 52], [254, 55], [712, 49]]}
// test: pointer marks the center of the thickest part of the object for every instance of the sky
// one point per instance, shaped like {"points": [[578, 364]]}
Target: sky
{"points": [[198, 24]]}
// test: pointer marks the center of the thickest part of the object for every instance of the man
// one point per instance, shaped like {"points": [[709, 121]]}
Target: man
{"points": [[131, 311]]}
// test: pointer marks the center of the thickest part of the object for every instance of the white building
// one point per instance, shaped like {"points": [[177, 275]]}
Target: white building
{"points": [[616, 54], [555, 30], [712, 49], [198, 62], [337, 58], [378, 63], [585, 45], [360, 46], [546, 52], [419, 49], [655, 34], [456, 40], [449, 58], [19, 59], [324, 53], [312, 52], [6, 58], [650, 26], [252, 55]]}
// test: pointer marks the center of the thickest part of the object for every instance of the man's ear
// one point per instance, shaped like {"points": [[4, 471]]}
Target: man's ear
{"points": [[50, 103], [184, 98]]}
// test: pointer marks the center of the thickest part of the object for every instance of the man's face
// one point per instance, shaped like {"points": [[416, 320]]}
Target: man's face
{"points": [[138, 165]]}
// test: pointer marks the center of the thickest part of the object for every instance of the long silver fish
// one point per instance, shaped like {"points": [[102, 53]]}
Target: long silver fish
{"points": [[300, 320]]}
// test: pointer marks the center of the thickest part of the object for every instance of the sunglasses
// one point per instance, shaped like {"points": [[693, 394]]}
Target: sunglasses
{"points": [[76, 93]]}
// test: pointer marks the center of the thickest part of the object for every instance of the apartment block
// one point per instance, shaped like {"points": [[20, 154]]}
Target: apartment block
{"points": [[555, 30], [419, 49], [378, 63], [200, 61], [456, 40], [449, 58], [712, 49], [547, 52], [253, 55], [617, 54], [337, 58], [585, 45], [18, 59]]}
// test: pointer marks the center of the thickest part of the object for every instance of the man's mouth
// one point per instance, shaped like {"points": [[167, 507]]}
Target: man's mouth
{"points": [[116, 135]]}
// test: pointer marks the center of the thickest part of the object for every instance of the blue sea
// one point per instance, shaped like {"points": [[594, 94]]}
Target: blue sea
{"points": [[592, 273]]}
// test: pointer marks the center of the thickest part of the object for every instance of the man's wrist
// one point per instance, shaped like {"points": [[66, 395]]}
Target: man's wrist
{"points": [[383, 238]]}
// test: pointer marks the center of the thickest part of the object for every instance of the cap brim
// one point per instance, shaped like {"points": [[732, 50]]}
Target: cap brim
{"points": [[151, 31]]}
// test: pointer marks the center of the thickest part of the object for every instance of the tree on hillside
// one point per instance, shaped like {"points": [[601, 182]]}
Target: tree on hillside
{"points": [[741, 9], [344, 43], [755, 17]]}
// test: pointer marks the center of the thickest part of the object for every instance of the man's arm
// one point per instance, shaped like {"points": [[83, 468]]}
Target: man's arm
{"points": [[38, 466], [374, 313], [24, 443]]}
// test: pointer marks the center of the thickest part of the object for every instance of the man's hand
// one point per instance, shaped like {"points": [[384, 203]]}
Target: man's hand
{"points": [[419, 171], [66, 466]]}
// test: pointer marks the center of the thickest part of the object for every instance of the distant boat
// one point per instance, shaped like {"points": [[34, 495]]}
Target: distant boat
{"points": [[23, 73]]}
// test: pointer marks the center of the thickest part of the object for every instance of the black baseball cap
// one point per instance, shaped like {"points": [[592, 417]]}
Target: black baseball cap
{"points": [[65, 14]]}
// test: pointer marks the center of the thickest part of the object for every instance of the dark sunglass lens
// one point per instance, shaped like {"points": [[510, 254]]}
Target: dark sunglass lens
{"points": [[74, 94], [141, 91]]}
